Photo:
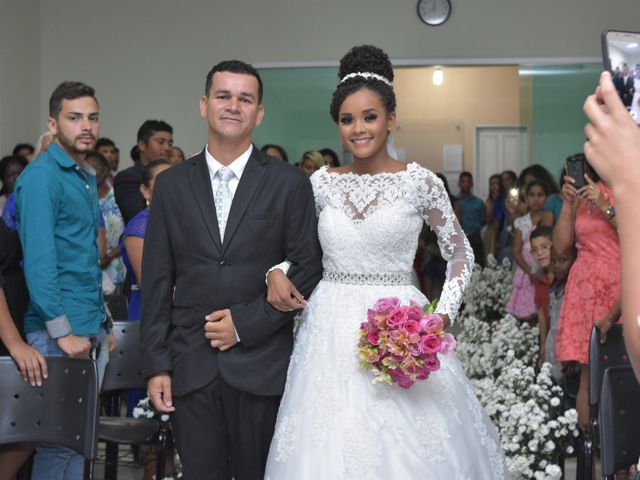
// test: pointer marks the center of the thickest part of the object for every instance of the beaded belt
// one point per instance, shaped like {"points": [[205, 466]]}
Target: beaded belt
{"points": [[402, 278]]}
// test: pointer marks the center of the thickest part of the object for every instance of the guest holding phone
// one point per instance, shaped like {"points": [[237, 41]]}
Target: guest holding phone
{"points": [[592, 295]]}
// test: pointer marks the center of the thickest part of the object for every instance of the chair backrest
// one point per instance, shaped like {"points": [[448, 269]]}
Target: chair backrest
{"points": [[64, 411], [124, 369], [611, 353], [619, 420], [118, 306]]}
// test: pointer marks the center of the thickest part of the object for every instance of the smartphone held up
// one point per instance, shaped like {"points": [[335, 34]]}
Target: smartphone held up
{"points": [[621, 56], [575, 167]]}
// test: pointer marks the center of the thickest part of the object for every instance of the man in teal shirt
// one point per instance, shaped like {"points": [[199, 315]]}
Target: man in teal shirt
{"points": [[58, 218]]}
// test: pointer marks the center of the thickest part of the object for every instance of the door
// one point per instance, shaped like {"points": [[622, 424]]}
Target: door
{"points": [[498, 148]]}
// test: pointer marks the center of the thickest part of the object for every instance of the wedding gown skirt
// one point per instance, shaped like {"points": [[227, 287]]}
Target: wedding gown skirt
{"points": [[333, 422]]}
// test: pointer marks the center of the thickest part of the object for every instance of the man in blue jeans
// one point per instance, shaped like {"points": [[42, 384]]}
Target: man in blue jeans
{"points": [[58, 219]]}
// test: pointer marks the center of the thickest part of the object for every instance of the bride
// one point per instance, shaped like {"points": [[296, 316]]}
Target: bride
{"points": [[333, 422]]}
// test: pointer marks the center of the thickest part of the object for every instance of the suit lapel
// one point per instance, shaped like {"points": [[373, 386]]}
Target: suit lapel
{"points": [[201, 184], [251, 177]]}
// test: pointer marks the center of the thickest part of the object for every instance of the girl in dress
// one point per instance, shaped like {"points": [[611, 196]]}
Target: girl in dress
{"points": [[333, 422], [522, 303]]}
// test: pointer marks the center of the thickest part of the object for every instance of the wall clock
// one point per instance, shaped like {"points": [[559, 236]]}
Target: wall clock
{"points": [[434, 12]]}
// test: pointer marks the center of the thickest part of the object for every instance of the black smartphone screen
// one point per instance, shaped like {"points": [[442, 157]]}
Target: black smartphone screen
{"points": [[575, 168]]}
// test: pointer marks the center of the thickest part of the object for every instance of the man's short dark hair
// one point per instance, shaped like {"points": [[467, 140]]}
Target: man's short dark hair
{"points": [[22, 146], [465, 174], [104, 142], [150, 127], [233, 66], [68, 91]]}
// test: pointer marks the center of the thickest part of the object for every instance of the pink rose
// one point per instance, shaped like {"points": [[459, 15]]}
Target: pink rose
{"points": [[397, 318], [431, 363], [414, 312], [412, 327], [448, 344], [386, 304], [431, 322], [430, 343], [373, 337]]}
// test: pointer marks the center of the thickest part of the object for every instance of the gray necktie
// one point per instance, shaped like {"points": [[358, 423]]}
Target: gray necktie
{"points": [[223, 198]]}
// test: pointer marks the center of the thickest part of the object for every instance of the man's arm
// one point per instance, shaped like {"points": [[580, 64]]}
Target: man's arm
{"points": [[158, 278], [258, 320]]}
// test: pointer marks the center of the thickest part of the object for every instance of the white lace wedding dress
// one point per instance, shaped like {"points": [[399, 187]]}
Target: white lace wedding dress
{"points": [[333, 422]]}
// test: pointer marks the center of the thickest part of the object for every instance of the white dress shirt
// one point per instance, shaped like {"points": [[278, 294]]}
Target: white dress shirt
{"points": [[237, 166]]}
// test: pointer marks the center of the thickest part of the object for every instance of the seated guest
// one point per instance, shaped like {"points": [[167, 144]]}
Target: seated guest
{"points": [[107, 147], [132, 240], [25, 150], [155, 139], [275, 151], [10, 167], [310, 162], [43, 143], [330, 157], [113, 223], [177, 156]]}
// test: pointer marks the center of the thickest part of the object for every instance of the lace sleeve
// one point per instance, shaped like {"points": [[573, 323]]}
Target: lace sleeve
{"points": [[435, 207], [317, 180]]}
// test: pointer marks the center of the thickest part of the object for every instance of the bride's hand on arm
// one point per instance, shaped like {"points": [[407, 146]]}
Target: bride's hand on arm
{"points": [[282, 294]]}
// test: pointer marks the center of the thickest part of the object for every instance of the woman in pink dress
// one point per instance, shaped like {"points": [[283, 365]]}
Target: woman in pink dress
{"points": [[593, 288]]}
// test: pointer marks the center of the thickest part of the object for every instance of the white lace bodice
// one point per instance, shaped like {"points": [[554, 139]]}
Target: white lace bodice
{"points": [[371, 224]]}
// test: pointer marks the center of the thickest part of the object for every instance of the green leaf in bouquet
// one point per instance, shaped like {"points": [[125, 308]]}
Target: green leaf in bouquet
{"points": [[431, 307]]}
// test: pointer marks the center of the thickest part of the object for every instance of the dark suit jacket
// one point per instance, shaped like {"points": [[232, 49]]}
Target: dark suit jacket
{"points": [[126, 188], [625, 89], [272, 217]]}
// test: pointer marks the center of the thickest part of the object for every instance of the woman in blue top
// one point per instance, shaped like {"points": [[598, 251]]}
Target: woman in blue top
{"points": [[132, 240]]}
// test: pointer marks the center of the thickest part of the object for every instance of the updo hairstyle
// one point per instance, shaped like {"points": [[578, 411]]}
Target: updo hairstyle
{"points": [[361, 59]]}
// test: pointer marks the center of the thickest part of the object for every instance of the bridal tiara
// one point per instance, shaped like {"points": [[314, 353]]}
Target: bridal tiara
{"points": [[365, 75]]}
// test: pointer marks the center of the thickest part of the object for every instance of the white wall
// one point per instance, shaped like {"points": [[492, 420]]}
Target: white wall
{"points": [[148, 59], [19, 72]]}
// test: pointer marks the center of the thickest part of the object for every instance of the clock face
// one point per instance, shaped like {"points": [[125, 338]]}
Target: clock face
{"points": [[434, 12]]}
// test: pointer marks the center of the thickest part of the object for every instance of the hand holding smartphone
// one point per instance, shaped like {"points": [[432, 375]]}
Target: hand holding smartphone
{"points": [[621, 57]]}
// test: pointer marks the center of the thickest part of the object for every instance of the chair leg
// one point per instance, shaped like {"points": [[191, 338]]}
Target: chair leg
{"points": [[584, 466], [162, 454], [111, 461], [88, 469]]}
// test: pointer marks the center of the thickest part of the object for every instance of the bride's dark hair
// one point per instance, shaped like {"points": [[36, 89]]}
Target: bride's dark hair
{"points": [[364, 58]]}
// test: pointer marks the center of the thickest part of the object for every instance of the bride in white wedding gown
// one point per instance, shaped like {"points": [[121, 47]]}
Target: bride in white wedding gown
{"points": [[333, 422]]}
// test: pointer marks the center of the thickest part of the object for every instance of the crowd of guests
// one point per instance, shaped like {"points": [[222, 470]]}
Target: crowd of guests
{"points": [[564, 247]]}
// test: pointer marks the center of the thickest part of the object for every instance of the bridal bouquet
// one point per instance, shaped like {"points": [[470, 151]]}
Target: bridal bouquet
{"points": [[399, 344]]}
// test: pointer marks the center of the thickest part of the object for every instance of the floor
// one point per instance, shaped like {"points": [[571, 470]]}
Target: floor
{"points": [[128, 470]]}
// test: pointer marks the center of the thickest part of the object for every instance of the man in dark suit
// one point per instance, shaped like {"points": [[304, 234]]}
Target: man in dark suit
{"points": [[155, 139], [625, 85], [215, 351]]}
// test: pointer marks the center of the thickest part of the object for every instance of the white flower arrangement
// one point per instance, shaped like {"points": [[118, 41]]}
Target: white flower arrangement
{"points": [[145, 409], [499, 356], [489, 290]]}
